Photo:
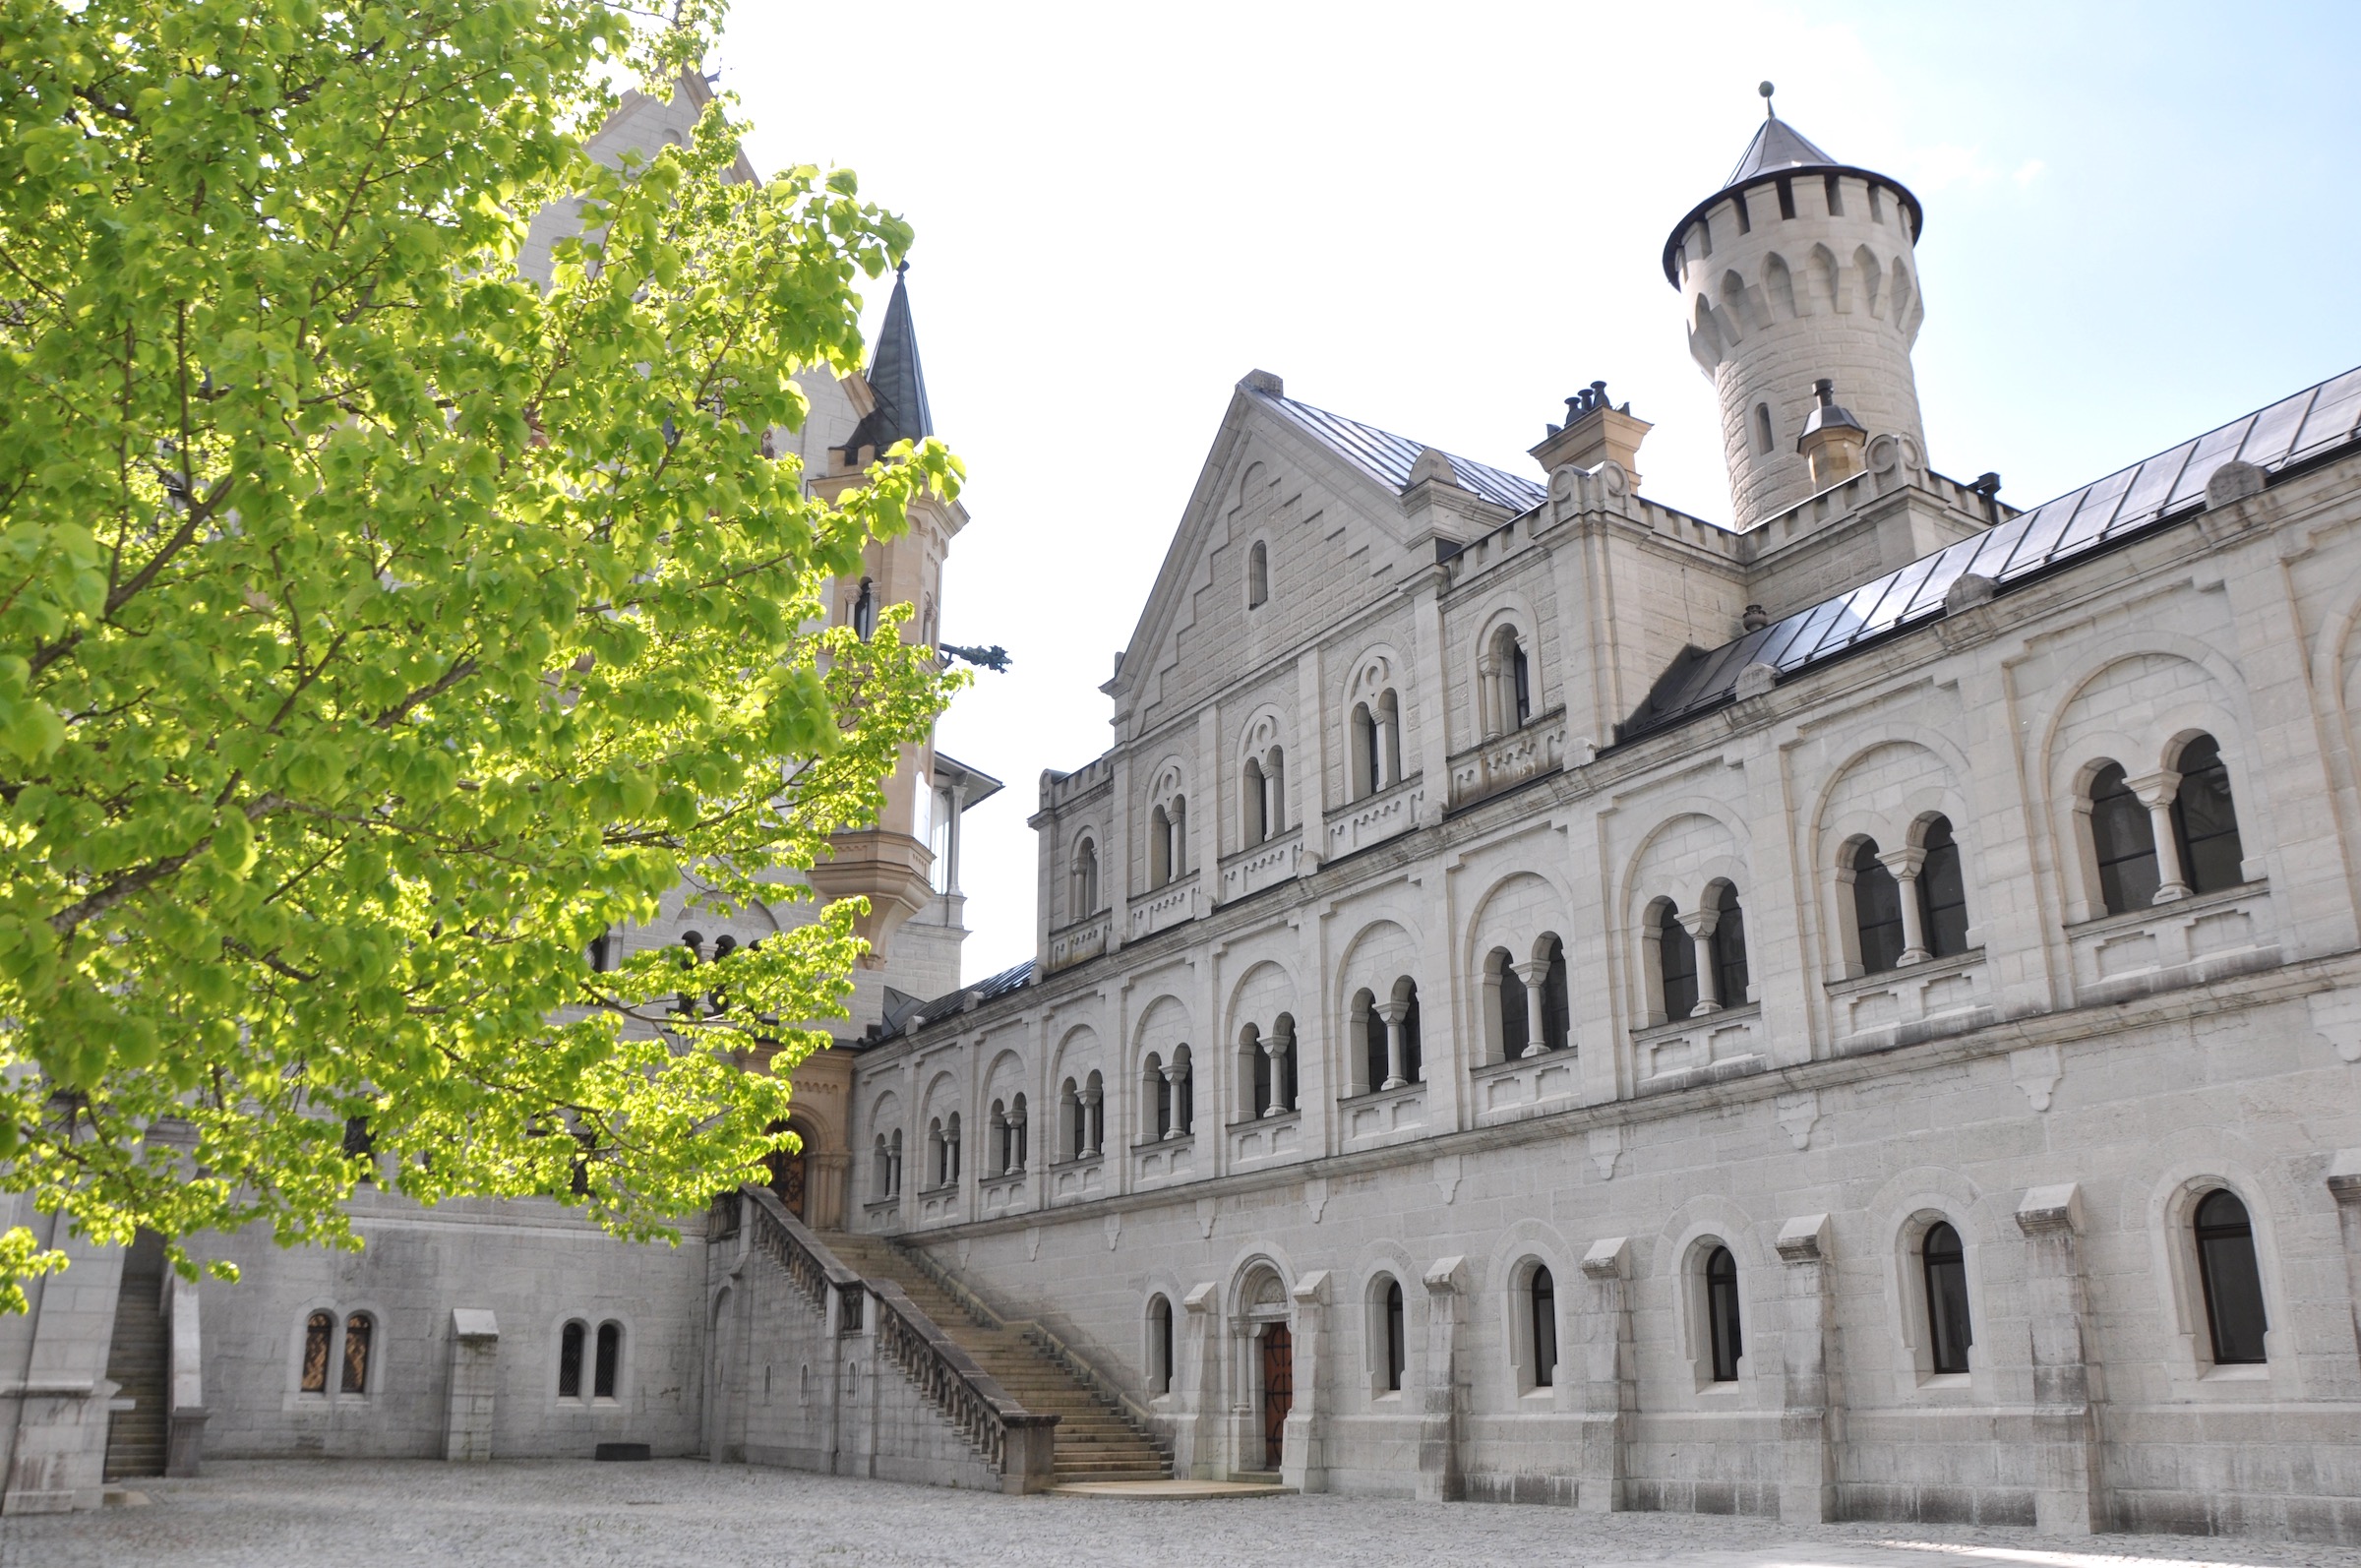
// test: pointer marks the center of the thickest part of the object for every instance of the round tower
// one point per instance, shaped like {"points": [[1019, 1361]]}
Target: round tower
{"points": [[1800, 271]]}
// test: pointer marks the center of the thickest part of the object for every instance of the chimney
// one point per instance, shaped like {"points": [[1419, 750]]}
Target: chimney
{"points": [[1595, 431], [1833, 440]]}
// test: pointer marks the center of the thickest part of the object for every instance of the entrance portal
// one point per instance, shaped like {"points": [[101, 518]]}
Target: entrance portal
{"points": [[1278, 1391]]}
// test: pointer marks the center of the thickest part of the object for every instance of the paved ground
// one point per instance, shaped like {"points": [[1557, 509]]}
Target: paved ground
{"points": [[674, 1514]]}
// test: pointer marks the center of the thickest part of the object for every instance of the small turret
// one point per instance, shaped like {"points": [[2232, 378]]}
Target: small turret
{"points": [[1800, 271], [1833, 440]]}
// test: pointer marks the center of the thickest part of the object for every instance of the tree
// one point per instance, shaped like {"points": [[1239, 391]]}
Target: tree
{"points": [[377, 629]]}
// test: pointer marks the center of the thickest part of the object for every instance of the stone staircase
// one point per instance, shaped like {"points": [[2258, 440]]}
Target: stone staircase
{"points": [[1095, 1439], [138, 1358]]}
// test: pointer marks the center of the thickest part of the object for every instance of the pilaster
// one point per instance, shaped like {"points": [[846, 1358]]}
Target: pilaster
{"points": [[1610, 1378], [1442, 1427], [1305, 1460], [2067, 1494], [1810, 1415]]}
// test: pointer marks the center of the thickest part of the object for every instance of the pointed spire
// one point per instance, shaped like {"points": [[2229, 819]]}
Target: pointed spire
{"points": [[1776, 144], [895, 379]]}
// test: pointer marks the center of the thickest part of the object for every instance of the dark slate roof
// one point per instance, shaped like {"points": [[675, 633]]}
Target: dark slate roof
{"points": [[2165, 489], [1391, 458], [1779, 149], [1777, 146], [894, 376], [901, 1019]]}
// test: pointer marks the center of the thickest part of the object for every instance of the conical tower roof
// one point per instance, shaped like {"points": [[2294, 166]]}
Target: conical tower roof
{"points": [[1776, 151], [895, 379]]}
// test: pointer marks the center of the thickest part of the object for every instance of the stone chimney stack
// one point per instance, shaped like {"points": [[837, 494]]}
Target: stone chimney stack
{"points": [[1595, 431]]}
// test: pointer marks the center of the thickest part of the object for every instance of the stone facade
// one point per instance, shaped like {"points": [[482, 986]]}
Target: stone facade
{"points": [[1424, 938]]}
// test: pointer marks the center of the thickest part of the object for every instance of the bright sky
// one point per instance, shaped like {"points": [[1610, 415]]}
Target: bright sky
{"points": [[2143, 220]]}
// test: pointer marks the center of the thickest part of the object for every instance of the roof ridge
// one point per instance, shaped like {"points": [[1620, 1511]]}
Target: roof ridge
{"points": [[1390, 456]]}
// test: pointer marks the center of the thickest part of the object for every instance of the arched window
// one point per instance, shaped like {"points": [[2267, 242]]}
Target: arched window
{"points": [[360, 1331], [1520, 686], [1258, 576], [884, 1186], [1510, 1020], [1763, 442], [2124, 843], [938, 1161], [1557, 998], [1730, 979], [1178, 853], [1397, 1338], [1020, 1118], [570, 1360], [1942, 891], [1948, 1330], [1721, 1315], [1086, 879], [1676, 962], [1368, 1031], [318, 1330], [1160, 847], [1071, 1133], [1094, 1108], [1160, 1341], [1406, 991], [610, 1361], [2233, 1283], [1365, 768], [1389, 740], [894, 1165], [1254, 1072], [1541, 1297], [950, 1142], [1254, 802], [1274, 793], [2205, 826], [1156, 1096], [1876, 910], [1184, 1108], [1283, 1063], [997, 1150]]}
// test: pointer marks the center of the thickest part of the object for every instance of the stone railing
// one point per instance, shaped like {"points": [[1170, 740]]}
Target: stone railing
{"points": [[1263, 866], [1019, 1444], [981, 1312], [1170, 905], [1506, 760], [1080, 941], [1377, 817]]}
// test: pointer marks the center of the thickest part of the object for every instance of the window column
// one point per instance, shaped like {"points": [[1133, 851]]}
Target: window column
{"points": [[1904, 864], [1488, 686], [1392, 1013], [2157, 792], [1700, 924], [1535, 975], [1275, 1047]]}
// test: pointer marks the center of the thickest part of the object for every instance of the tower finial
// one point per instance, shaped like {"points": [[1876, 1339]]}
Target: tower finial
{"points": [[1768, 112]]}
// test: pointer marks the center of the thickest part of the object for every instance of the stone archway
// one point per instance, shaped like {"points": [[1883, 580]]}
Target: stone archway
{"points": [[1265, 1370]]}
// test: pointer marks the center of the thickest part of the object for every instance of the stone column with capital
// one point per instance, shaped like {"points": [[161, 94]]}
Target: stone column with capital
{"points": [[1535, 975], [2157, 791], [1700, 924], [1391, 1013], [1904, 864], [2068, 1498], [1810, 1413], [1443, 1424], [1303, 1461], [1611, 1379], [1274, 1056]]}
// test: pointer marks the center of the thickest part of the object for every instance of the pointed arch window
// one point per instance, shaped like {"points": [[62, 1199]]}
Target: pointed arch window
{"points": [[1949, 1333], [1725, 1342], [2205, 823], [360, 1336], [318, 1330], [2123, 842], [2231, 1277]]}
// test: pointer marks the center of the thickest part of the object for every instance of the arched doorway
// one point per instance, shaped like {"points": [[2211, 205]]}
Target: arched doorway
{"points": [[789, 1172], [1278, 1391]]}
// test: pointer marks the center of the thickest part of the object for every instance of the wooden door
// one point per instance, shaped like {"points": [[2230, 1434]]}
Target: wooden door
{"points": [[787, 1180], [1278, 1391]]}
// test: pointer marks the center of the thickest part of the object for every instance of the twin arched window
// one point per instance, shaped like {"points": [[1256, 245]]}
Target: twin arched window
{"points": [[1082, 1117], [2169, 835], [1167, 841], [1908, 905], [1387, 1033], [1531, 1003], [1165, 1097], [1504, 676], [886, 1157], [1086, 879], [321, 1353], [1263, 796], [1701, 958], [606, 1365], [1267, 1067], [1377, 744]]}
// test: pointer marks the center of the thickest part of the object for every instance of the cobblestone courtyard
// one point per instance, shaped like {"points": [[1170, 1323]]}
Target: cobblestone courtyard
{"points": [[581, 1515]]}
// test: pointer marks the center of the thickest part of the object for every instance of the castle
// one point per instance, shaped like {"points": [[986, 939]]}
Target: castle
{"points": [[1851, 1013]]}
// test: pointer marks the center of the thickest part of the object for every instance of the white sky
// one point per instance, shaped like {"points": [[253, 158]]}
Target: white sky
{"points": [[2141, 222]]}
